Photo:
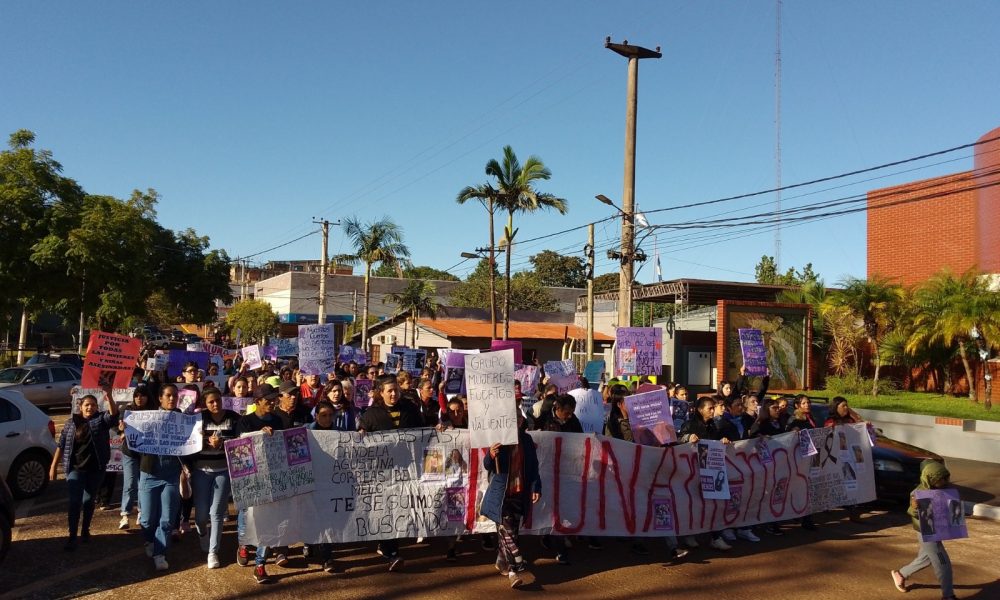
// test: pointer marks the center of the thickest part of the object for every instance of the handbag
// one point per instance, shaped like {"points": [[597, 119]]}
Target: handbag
{"points": [[185, 484]]}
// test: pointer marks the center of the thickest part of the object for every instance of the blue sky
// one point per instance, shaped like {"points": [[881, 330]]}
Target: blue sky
{"points": [[251, 118]]}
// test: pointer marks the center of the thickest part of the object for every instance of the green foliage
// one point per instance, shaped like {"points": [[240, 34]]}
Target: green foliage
{"points": [[557, 270], [608, 282], [527, 291], [920, 403], [416, 298], [766, 272], [416, 272], [852, 383], [254, 318]]}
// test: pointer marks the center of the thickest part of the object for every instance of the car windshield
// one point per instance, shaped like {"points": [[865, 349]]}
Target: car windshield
{"points": [[12, 375]]}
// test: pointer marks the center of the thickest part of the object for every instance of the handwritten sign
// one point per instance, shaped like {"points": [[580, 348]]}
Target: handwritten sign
{"points": [[158, 362], [940, 515], [251, 357], [489, 381], [639, 351], [590, 409], [266, 468], [712, 470], [317, 349], [286, 346], [754, 352], [110, 360], [649, 418], [505, 344], [163, 432]]}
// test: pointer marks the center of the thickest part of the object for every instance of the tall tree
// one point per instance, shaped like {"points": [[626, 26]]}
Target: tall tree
{"points": [[608, 282], [487, 196], [416, 298], [515, 186], [254, 319], [948, 309], [527, 291], [766, 272], [874, 302], [557, 270], [416, 272], [375, 243]]}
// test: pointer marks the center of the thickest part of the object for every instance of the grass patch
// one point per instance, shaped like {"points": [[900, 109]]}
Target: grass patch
{"points": [[920, 403]]}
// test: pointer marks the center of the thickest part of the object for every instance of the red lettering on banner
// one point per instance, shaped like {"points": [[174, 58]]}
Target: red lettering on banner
{"points": [[748, 495], [627, 504], [798, 473], [729, 516], [472, 494], [692, 464], [557, 463], [779, 496]]}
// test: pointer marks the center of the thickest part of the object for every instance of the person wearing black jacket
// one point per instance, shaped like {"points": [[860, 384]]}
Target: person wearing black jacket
{"points": [[802, 419], [743, 384], [524, 487], [768, 421], [702, 426], [561, 419], [290, 409], [427, 402], [388, 412]]}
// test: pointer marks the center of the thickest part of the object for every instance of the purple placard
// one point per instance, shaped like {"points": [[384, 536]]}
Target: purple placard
{"points": [[270, 352], [940, 515], [237, 405], [505, 344], [455, 504], [649, 418], [297, 446], [362, 387], [639, 351], [176, 359], [241, 458], [754, 352]]}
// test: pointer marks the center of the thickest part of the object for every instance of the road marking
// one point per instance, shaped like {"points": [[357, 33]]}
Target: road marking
{"points": [[52, 580]]}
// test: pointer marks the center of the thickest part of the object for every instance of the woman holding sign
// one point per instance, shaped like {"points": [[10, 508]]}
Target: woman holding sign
{"points": [[209, 474], [84, 450], [701, 426], [159, 492], [933, 476], [130, 460]]}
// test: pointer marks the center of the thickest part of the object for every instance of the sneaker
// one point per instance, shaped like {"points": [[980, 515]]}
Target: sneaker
{"points": [[242, 556], [898, 580], [395, 563], [747, 534], [149, 549], [502, 569], [204, 540], [690, 541], [720, 544], [562, 559], [520, 578], [728, 535], [640, 549], [213, 561], [160, 563], [595, 544], [260, 574], [420, 540], [451, 556], [679, 553], [123, 524], [775, 531], [330, 566], [281, 560]]}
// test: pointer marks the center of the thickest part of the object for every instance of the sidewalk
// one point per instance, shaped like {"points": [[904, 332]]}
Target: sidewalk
{"points": [[979, 484]]}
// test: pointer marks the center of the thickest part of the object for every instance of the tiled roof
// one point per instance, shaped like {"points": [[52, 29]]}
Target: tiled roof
{"points": [[518, 330]]}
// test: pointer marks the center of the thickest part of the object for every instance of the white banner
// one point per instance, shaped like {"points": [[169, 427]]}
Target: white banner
{"points": [[266, 468], [392, 485], [163, 432]]}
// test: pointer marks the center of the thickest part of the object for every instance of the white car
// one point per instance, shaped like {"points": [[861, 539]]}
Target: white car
{"points": [[27, 443], [158, 341]]}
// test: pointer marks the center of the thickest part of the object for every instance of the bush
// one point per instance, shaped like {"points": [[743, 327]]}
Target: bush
{"points": [[852, 383]]}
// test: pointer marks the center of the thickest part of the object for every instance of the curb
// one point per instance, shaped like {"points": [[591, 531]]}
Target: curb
{"points": [[984, 511]]}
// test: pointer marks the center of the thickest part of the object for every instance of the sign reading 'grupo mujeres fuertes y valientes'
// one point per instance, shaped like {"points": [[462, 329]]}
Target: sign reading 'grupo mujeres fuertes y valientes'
{"points": [[638, 351], [489, 384]]}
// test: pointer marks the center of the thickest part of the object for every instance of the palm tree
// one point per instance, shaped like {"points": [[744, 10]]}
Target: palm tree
{"points": [[487, 196], [515, 192], [948, 309], [417, 297], [375, 243], [875, 302]]}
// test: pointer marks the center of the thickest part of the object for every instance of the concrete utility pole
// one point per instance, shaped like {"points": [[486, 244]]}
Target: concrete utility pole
{"points": [[590, 292], [633, 54], [323, 268]]}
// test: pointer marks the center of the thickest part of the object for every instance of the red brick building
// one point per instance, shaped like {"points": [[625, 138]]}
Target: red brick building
{"points": [[918, 228]]}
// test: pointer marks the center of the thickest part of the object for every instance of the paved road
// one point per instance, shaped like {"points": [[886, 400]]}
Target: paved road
{"points": [[840, 560]]}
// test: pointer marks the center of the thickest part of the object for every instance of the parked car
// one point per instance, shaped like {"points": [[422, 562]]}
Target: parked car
{"points": [[176, 335], [897, 464], [67, 358], [158, 341], [192, 338], [27, 443], [44, 385], [6, 519]]}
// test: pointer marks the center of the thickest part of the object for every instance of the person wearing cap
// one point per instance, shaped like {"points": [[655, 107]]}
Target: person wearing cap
{"points": [[263, 418], [210, 484], [130, 459], [289, 410]]}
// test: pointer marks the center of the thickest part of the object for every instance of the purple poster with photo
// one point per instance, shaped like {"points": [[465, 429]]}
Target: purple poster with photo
{"points": [[242, 461], [639, 351], [754, 352], [296, 446], [649, 418], [362, 388], [237, 405], [941, 515]]}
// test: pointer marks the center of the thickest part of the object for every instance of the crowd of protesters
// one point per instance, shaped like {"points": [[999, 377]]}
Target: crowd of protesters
{"points": [[166, 490]]}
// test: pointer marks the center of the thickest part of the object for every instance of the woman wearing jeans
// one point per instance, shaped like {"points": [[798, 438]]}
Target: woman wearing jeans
{"points": [[159, 492], [130, 460], [209, 475], [84, 450]]}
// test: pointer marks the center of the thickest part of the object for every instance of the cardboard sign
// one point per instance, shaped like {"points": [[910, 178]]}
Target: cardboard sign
{"points": [[649, 418], [712, 470], [754, 352], [489, 381], [511, 344], [941, 515], [163, 432], [110, 360], [286, 346], [266, 468], [639, 351], [252, 357], [590, 409]]}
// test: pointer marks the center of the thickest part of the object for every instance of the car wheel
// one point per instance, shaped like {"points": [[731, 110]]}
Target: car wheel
{"points": [[29, 475], [5, 536]]}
